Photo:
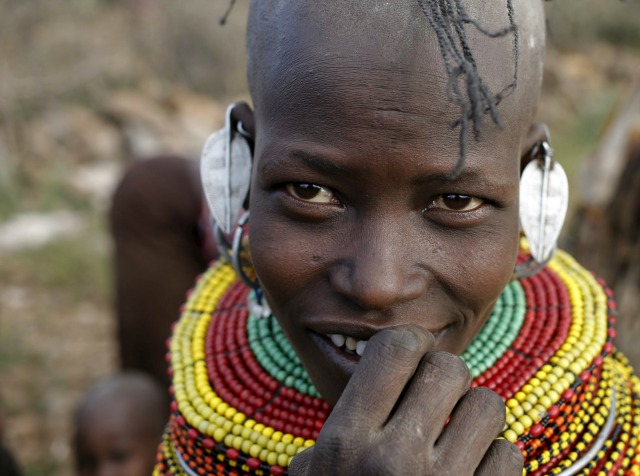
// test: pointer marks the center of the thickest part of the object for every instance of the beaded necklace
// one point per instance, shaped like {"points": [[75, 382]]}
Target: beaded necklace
{"points": [[243, 404]]}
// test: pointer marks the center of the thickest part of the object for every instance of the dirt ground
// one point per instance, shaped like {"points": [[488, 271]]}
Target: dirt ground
{"points": [[86, 86]]}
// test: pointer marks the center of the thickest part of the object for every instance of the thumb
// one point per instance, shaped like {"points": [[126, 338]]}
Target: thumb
{"points": [[300, 463]]}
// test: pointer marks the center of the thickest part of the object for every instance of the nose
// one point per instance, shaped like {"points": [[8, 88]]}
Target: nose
{"points": [[380, 270]]}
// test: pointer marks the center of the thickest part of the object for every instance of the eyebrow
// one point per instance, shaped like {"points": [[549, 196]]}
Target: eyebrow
{"points": [[313, 161], [323, 165], [467, 176]]}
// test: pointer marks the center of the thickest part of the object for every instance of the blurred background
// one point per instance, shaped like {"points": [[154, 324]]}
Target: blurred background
{"points": [[86, 86]]}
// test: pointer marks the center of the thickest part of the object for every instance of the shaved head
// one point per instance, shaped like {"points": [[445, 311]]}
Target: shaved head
{"points": [[293, 42]]}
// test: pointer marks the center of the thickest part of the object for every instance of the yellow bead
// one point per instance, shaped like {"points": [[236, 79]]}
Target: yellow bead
{"points": [[283, 459], [518, 428], [272, 459], [291, 449], [246, 446], [254, 451], [219, 435], [511, 436], [526, 421]]}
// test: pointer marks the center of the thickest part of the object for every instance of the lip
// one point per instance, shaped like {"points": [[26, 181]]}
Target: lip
{"points": [[346, 362]]}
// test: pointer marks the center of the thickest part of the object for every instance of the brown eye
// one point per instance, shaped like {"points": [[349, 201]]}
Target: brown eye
{"points": [[457, 202], [308, 192]]}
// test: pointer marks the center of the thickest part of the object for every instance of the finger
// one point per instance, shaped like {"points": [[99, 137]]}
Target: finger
{"points": [[301, 462], [389, 362], [439, 382], [475, 422], [502, 459]]}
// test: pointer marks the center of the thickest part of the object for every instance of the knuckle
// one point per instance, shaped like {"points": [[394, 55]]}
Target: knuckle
{"points": [[377, 461], [401, 340], [332, 436], [509, 457], [494, 409], [450, 365]]}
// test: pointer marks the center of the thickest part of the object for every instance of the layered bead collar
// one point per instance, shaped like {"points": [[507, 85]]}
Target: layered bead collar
{"points": [[243, 404]]}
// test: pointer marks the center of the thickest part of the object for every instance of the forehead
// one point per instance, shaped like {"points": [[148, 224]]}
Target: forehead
{"points": [[320, 65], [320, 78], [360, 108]]}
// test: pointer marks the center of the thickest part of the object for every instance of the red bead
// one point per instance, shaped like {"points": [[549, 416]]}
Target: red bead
{"points": [[208, 443], [568, 394], [232, 453], [554, 411], [253, 463], [537, 430], [277, 470]]}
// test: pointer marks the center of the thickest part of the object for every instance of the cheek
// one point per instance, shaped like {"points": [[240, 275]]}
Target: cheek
{"points": [[282, 255], [485, 262]]}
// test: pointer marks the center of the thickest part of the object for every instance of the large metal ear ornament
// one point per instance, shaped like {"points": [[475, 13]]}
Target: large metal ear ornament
{"points": [[225, 171], [544, 197]]}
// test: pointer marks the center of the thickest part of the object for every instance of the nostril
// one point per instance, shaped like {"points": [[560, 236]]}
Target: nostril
{"points": [[373, 289]]}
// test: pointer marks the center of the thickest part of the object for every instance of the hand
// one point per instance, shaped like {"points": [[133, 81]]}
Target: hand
{"points": [[390, 419]]}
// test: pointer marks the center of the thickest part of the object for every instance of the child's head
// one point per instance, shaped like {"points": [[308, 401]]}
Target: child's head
{"points": [[118, 426], [359, 219]]}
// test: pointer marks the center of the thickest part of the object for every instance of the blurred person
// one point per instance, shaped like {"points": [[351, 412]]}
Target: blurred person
{"points": [[160, 229], [118, 425]]}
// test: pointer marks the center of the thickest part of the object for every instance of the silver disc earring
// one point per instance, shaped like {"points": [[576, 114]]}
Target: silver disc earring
{"points": [[225, 171], [544, 198]]}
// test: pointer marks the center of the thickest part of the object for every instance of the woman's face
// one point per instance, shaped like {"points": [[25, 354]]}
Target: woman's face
{"points": [[355, 223]]}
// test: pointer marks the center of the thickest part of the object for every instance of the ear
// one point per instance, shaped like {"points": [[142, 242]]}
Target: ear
{"points": [[537, 133], [243, 114]]}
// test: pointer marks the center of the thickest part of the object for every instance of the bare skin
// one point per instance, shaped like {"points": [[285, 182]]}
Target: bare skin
{"points": [[357, 228]]}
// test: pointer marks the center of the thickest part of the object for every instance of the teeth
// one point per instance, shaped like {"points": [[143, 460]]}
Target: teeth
{"points": [[348, 343], [351, 343], [337, 339]]}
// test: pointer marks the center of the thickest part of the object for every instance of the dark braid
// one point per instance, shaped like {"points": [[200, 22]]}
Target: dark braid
{"points": [[224, 17], [448, 21]]}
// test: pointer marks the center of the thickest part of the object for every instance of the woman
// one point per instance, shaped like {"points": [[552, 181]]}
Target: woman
{"points": [[384, 155]]}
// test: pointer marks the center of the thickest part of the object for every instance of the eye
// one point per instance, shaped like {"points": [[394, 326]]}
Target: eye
{"points": [[308, 192], [456, 202]]}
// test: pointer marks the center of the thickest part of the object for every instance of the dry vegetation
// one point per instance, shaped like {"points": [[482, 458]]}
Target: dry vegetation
{"points": [[85, 85]]}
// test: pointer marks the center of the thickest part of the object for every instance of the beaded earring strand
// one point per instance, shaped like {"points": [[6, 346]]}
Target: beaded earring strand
{"points": [[243, 403]]}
